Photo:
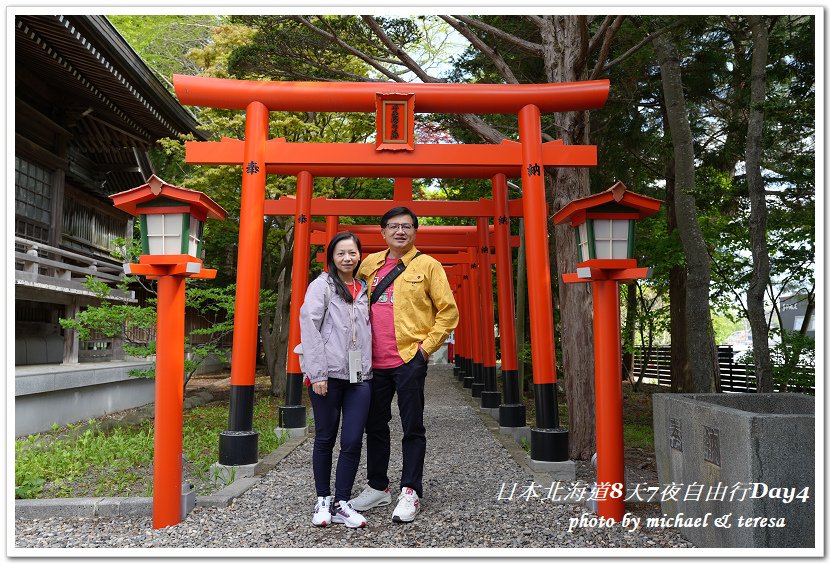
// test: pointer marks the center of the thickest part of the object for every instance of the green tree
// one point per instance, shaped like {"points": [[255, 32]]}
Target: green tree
{"points": [[162, 40]]}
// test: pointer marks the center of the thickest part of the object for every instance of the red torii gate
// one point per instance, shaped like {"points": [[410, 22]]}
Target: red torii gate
{"points": [[393, 155]]}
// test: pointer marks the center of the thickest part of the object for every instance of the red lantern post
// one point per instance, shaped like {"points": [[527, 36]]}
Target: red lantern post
{"points": [[605, 241], [171, 232]]}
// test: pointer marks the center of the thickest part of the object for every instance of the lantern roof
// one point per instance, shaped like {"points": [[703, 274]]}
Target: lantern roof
{"points": [[616, 199], [130, 200]]}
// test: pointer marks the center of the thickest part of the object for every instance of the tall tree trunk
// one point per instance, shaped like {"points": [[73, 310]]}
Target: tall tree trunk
{"points": [[758, 209], [563, 40], [630, 329], [275, 332], [681, 372], [700, 339]]}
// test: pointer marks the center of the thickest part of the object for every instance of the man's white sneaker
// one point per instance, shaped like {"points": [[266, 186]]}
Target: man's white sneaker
{"points": [[322, 512], [347, 515], [409, 505], [370, 498]]}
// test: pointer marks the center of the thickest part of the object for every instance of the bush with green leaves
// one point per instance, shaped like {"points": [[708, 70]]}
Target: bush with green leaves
{"points": [[87, 459]]}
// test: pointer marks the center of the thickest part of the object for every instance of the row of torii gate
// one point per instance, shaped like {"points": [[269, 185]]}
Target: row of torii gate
{"points": [[466, 252]]}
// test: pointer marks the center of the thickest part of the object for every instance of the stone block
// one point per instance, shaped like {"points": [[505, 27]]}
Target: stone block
{"points": [[109, 507], [558, 470], [493, 412], [756, 446], [56, 508], [519, 433], [135, 506], [206, 396], [227, 474], [292, 432], [224, 496]]}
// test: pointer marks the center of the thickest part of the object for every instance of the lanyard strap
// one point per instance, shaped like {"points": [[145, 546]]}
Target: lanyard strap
{"points": [[352, 315]]}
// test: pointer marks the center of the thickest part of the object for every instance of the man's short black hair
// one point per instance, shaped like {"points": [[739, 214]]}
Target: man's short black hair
{"points": [[394, 212]]}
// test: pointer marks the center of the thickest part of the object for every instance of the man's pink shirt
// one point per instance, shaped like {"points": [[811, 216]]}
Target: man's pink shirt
{"points": [[382, 317]]}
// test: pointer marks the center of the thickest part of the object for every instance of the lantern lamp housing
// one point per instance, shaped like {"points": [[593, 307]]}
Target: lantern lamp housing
{"points": [[604, 222], [171, 218]]}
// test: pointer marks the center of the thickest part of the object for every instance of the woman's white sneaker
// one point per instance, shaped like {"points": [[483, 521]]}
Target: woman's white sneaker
{"points": [[322, 512], [409, 505], [370, 498], [347, 515]]}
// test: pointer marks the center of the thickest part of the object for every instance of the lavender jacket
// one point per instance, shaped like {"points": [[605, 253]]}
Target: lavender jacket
{"points": [[326, 339]]}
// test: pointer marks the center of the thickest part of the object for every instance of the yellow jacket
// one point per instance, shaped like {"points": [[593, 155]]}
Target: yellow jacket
{"points": [[424, 307]]}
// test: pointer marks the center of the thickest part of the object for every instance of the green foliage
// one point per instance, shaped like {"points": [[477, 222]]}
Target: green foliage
{"points": [[793, 357], [60, 462], [203, 424], [89, 461], [109, 318], [638, 436], [163, 41], [724, 325]]}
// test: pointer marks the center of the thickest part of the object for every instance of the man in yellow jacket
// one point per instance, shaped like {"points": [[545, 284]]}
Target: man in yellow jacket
{"points": [[410, 317]]}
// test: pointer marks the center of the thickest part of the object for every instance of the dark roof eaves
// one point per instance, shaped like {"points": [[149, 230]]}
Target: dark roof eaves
{"points": [[106, 38]]}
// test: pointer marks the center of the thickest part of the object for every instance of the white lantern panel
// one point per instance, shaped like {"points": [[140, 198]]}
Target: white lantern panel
{"points": [[155, 225], [173, 224], [193, 237], [603, 248], [602, 229], [583, 241], [164, 233], [611, 238], [620, 249], [156, 244], [619, 229]]}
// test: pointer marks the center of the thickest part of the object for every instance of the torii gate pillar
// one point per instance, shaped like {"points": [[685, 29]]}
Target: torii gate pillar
{"points": [[490, 395], [239, 445], [292, 415], [512, 409], [548, 441]]}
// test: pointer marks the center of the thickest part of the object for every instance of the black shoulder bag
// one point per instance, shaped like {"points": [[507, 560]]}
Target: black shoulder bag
{"points": [[388, 279]]}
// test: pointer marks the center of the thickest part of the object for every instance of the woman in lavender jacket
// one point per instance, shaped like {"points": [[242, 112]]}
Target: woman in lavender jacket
{"points": [[334, 327]]}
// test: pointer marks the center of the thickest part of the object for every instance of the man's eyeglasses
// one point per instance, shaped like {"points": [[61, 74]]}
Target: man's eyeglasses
{"points": [[395, 226]]}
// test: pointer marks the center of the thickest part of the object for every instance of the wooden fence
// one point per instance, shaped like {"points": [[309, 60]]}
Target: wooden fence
{"points": [[734, 377]]}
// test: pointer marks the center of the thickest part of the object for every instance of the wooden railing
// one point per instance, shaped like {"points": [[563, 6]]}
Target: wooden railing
{"points": [[734, 377], [35, 257]]}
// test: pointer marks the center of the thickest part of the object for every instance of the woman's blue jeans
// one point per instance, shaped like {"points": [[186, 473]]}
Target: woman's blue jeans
{"points": [[351, 401]]}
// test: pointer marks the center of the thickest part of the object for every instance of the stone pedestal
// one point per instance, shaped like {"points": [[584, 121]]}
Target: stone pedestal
{"points": [[751, 453]]}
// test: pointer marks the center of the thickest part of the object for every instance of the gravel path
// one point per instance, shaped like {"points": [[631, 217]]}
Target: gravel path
{"points": [[464, 472]]}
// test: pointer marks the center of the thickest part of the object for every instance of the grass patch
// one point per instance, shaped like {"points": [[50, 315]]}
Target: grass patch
{"points": [[638, 436], [87, 460]]}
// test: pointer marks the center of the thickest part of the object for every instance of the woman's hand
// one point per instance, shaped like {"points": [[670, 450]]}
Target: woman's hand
{"points": [[321, 387]]}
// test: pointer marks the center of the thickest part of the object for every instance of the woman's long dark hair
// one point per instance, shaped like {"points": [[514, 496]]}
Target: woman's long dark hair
{"points": [[339, 286]]}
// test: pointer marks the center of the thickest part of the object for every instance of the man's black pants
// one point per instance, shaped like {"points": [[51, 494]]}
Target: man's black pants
{"points": [[408, 381]]}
